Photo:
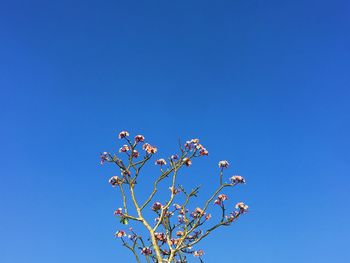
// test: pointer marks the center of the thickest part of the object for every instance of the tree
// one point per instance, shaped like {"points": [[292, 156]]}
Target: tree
{"points": [[176, 230]]}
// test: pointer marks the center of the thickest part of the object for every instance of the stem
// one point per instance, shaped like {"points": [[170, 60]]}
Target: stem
{"points": [[132, 250], [149, 228], [221, 176]]}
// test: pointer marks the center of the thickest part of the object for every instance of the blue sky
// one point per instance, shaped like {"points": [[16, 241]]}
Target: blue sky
{"points": [[263, 84]]}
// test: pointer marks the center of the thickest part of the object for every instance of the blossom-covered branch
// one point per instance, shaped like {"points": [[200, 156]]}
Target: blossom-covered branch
{"points": [[176, 229]]}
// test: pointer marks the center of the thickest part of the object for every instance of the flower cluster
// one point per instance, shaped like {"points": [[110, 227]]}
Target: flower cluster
{"points": [[160, 162], [120, 233], [123, 134], [139, 138], [146, 251], [149, 148], [179, 233], [187, 161], [221, 198], [198, 212], [241, 207], [160, 236], [135, 154], [194, 144], [208, 216], [223, 164], [119, 212], [124, 149], [115, 181], [156, 206], [104, 157], [174, 241], [198, 253], [237, 179], [174, 157], [177, 206]]}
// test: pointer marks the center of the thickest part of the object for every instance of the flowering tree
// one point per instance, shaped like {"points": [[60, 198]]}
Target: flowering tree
{"points": [[175, 230]]}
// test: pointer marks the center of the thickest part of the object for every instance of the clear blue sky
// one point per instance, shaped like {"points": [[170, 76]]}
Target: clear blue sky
{"points": [[263, 84]]}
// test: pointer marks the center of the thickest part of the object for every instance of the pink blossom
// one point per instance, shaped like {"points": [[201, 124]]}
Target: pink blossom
{"points": [[125, 172], [156, 206], [124, 149], [115, 180], [217, 202], [174, 241], [149, 148], [177, 206], [237, 179], [123, 134], [189, 145], [104, 157], [180, 218], [179, 233], [242, 207], [160, 236], [203, 152], [223, 164], [195, 141], [139, 138], [208, 216], [222, 197], [198, 212], [183, 211], [160, 162], [146, 251], [120, 233], [119, 211], [135, 154], [174, 157]]}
